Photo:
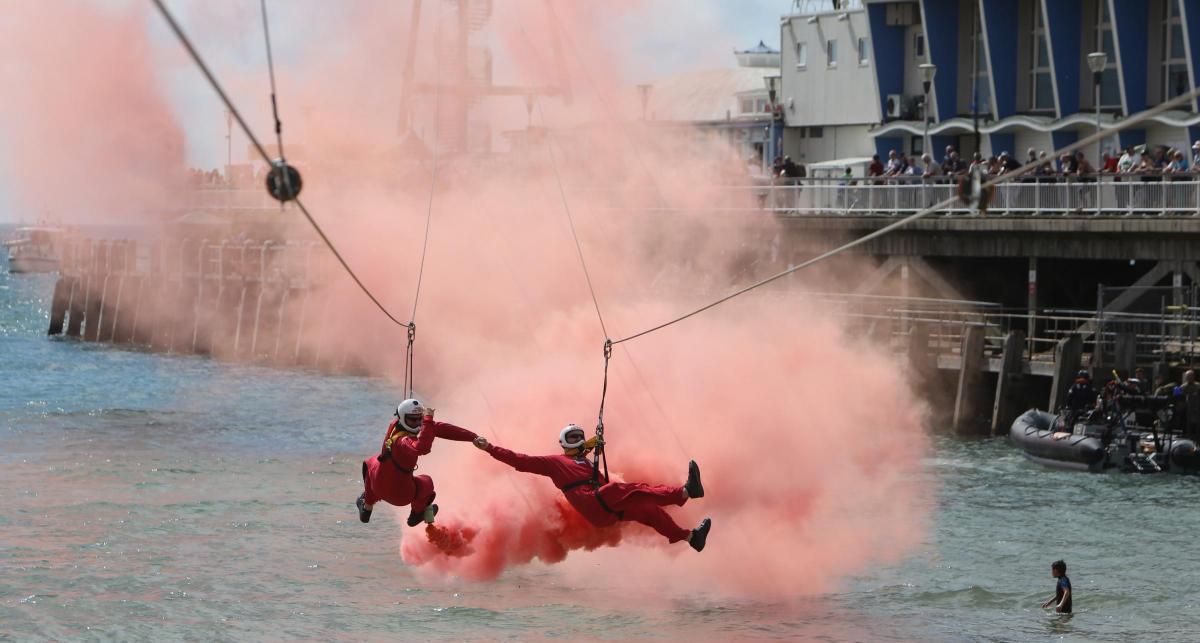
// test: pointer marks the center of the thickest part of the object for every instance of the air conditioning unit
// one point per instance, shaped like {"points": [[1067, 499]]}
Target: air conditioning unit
{"points": [[895, 105]]}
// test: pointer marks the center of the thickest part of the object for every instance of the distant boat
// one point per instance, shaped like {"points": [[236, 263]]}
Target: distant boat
{"points": [[35, 249]]}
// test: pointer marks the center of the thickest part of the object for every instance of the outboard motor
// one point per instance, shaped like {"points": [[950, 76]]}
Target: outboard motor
{"points": [[1184, 455]]}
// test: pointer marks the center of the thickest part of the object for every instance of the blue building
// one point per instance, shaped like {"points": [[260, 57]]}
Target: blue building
{"points": [[1019, 68]]}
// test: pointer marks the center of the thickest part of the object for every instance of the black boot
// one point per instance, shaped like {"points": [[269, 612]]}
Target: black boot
{"points": [[364, 514], [693, 486], [416, 517], [700, 534]]}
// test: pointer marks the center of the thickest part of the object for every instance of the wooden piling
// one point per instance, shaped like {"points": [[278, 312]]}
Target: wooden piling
{"points": [[1067, 357], [1007, 404], [58, 305], [969, 374], [75, 307]]}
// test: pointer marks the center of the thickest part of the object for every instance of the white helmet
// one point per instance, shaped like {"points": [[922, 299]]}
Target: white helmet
{"points": [[569, 444], [411, 413]]}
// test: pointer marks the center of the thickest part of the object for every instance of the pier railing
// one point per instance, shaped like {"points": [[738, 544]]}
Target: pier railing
{"points": [[1096, 195], [941, 326]]}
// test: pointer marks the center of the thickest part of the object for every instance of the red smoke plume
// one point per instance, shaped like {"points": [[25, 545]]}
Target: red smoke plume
{"points": [[808, 438]]}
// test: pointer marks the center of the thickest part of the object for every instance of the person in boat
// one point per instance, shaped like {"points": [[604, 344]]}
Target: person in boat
{"points": [[604, 504], [388, 476], [1062, 590], [1081, 397]]}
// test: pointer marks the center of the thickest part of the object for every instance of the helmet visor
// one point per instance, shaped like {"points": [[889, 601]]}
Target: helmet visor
{"points": [[412, 420], [575, 437]]}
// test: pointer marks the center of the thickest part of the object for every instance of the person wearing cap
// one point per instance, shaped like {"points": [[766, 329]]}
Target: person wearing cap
{"points": [[388, 475], [1008, 163], [602, 503]]}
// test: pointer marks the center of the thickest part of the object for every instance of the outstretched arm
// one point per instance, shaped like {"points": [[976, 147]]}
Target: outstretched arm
{"points": [[427, 434], [541, 465], [448, 431]]}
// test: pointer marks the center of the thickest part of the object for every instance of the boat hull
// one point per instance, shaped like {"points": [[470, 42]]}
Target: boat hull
{"points": [[1033, 433]]}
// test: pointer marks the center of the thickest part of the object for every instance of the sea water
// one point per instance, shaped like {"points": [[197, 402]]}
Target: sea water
{"points": [[147, 496]]}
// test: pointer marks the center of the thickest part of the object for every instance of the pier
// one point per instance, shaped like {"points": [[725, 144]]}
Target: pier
{"points": [[247, 300]]}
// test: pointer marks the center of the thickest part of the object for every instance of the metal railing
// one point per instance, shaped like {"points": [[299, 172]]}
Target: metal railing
{"points": [[1094, 195]]}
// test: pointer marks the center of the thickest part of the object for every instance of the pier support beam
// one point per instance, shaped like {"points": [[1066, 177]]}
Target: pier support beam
{"points": [[58, 305], [1067, 357], [969, 374], [1008, 404]]}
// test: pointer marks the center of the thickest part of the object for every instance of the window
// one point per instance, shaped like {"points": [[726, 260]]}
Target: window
{"points": [[864, 56], [760, 106], [747, 105], [919, 46], [816, 132], [1174, 56], [917, 145], [1041, 89], [831, 52], [801, 54]]}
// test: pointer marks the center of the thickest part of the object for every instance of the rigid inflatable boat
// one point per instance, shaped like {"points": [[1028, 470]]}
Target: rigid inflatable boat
{"points": [[1099, 444]]}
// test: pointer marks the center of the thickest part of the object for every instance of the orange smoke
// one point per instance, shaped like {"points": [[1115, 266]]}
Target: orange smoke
{"points": [[88, 132], [809, 439]]}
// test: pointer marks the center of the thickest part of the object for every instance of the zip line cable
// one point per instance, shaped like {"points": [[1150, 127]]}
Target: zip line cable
{"points": [[409, 375], [1024, 169], [287, 179], [262, 151], [571, 220]]}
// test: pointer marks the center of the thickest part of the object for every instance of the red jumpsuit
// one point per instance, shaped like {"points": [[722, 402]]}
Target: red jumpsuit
{"points": [[634, 501], [391, 479]]}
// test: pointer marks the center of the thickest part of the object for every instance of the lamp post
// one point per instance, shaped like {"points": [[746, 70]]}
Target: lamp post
{"points": [[772, 84], [1097, 61], [928, 71]]}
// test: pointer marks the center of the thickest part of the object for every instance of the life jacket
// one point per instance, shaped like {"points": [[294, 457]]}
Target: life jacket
{"points": [[385, 453]]}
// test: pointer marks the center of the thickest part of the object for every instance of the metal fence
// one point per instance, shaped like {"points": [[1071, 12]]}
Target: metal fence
{"points": [[1176, 195], [1099, 195]]}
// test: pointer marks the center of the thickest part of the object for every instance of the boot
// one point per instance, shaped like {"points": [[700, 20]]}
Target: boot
{"points": [[417, 517], [364, 514], [700, 534], [693, 486]]}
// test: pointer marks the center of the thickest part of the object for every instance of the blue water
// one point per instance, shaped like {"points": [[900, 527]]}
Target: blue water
{"points": [[145, 496]]}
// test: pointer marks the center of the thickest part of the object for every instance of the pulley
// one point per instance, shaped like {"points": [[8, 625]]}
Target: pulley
{"points": [[283, 181]]}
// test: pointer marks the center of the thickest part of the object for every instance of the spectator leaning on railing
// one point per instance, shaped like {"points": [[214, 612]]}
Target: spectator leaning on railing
{"points": [[876, 166], [930, 169]]}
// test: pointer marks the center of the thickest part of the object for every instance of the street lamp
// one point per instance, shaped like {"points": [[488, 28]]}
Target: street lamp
{"points": [[928, 71], [1097, 61]]}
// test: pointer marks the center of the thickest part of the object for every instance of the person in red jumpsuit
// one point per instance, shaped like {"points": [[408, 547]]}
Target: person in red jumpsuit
{"points": [[389, 477], [603, 504]]}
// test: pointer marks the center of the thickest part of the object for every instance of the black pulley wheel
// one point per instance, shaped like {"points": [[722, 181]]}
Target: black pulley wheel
{"points": [[283, 182]]}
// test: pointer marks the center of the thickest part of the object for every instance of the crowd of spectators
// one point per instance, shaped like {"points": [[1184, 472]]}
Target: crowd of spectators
{"points": [[1137, 160], [237, 176]]}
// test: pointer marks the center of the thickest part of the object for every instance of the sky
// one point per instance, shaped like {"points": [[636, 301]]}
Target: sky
{"points": [[684, 35]]}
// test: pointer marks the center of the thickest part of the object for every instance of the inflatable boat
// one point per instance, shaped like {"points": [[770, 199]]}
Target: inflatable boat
{"points": [[1089, 445]]}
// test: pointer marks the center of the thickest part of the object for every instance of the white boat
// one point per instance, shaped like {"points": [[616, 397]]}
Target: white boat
{"points": [[35, 249]]}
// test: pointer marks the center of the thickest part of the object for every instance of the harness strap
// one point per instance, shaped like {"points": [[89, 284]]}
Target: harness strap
{"points": [[619, 514], [579, 483], [595, 485]]}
